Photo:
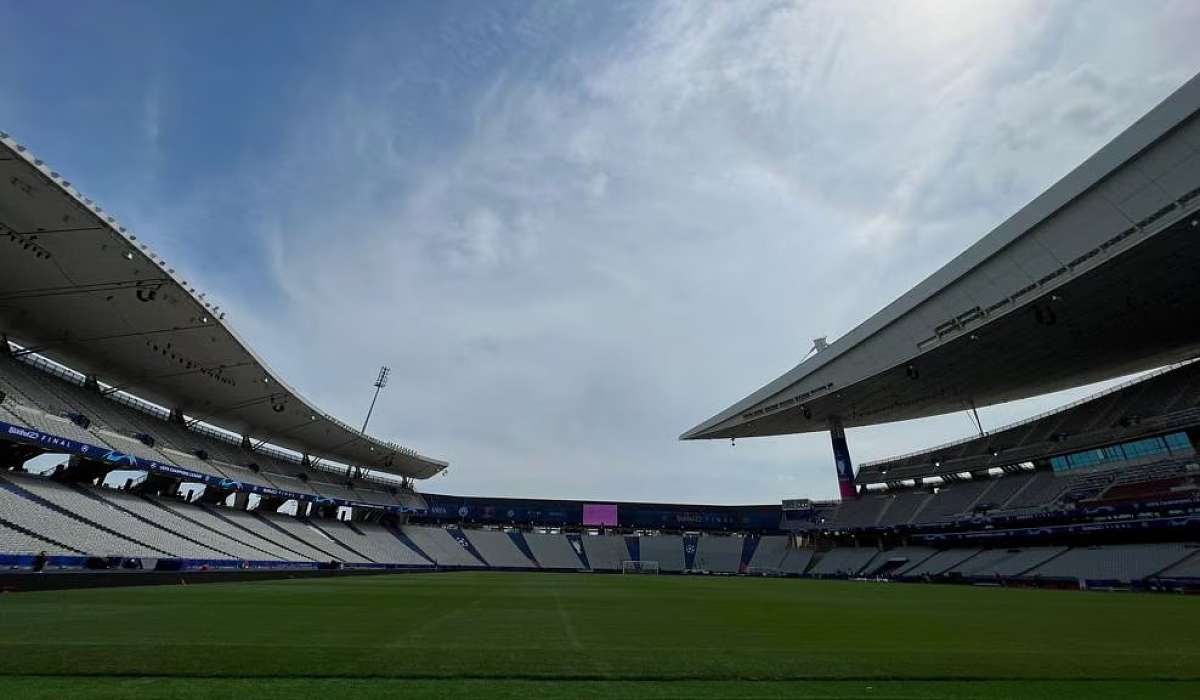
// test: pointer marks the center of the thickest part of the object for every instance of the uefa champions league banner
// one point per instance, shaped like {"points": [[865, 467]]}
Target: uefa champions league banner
{"points": [[120, 460]]}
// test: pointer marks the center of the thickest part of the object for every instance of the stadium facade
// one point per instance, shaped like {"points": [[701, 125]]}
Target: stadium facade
{"points": [[114, 365]]}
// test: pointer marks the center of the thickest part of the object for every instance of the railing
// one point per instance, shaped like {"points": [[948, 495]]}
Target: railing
{"points": [[152, 410], [1045, 414], [1027, 453]]}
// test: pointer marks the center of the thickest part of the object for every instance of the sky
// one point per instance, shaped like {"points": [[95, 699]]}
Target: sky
{"points": [[576, 229]]}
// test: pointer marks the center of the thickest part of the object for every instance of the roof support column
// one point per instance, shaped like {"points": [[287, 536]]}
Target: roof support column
{"points": [[841, 459]]}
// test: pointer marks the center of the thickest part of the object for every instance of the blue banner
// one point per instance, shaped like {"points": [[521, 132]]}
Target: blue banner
{"points": [[120, 460], [841, 459], [690, 543]]}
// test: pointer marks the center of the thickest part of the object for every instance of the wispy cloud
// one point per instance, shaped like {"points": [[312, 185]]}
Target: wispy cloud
{"points": [[573, 231]]}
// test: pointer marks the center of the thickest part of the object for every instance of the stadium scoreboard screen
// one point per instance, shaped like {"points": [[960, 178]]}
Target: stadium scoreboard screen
{"points": [[604, 514]]}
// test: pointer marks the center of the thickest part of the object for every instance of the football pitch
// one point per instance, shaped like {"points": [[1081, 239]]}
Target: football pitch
{"points": [[511, 635]]}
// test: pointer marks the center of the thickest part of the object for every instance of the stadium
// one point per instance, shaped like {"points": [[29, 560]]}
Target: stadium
{"points": [[177, 521]]}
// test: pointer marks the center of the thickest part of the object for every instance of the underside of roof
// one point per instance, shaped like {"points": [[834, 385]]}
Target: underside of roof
{"points": [[76, 287], [1094, 279]]}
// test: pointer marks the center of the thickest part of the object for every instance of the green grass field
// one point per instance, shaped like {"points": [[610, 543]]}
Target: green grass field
{"points": [[566, 635]]}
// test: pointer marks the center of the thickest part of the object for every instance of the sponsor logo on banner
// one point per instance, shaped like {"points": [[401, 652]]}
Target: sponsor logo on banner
{"points": [[115, 457], [22, 432]]}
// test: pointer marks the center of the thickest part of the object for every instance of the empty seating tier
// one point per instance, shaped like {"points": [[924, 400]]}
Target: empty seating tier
{"points": [[498, 549], [938, 563], [606, 553], [893, 560], [315, 539], [40, 397], [169, 520], [374, 541], [259, 527], [440, 546], [226, 527], [796, 561], [116, 519], [13, 541], [769, 553], [952, 500], [553, 551], [667, 550], [1113, 563], [843, 561], [55, 525], [720, 554], [903, 508]]}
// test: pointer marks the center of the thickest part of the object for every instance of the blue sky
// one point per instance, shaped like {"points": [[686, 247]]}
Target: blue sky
{"points": [[576, 229]]}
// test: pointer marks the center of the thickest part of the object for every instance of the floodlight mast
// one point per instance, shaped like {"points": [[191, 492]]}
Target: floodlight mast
{"points": [[380, 382]]}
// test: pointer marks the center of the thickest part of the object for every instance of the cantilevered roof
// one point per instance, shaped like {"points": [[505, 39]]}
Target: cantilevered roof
{"points": [[1093, 279], [77, 287]]}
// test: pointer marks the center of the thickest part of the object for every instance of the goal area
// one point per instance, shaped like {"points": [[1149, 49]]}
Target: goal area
{"points": [[639, 567]]}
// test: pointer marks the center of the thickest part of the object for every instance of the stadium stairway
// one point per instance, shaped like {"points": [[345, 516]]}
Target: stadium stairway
{"points": [[204, 524], [749, 546], [981, 564], [113, 513], [719, 554], [893, 560], [606, 552], [15, 539], [691, 547], [303, 531], [1187, 569], [518, 539], [498, 550], [555, 552], [121, 502], [576, 542], [252, 522], [634, 544], [339, 533], [1026, 559], [1113, 563], [408, 542], [768, 553], [843, 561], [461, 537], [1003, 563], [796, 561], [442, 547], [248, 527], [102, 540], [373, 541], [937, 564]]}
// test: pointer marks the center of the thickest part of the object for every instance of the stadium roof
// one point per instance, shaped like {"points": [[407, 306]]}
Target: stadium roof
{"points": [[1093, 279], [77, 287]]}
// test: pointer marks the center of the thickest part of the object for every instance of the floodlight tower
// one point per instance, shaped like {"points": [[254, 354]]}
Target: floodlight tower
{"points": [[380, 382]]}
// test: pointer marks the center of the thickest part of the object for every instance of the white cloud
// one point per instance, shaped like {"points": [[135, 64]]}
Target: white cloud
{"points": [[635, 235]]}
